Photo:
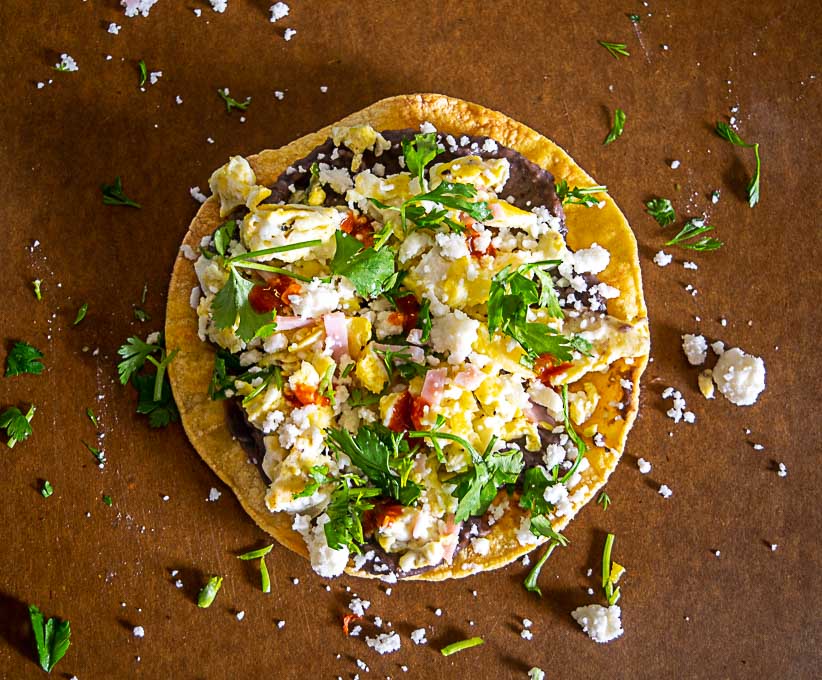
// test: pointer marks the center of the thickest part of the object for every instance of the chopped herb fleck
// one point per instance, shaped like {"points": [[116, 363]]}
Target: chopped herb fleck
{"points": [[729, 134], [16, 425], [209, 592], [616, 50], [141, 65], [617, 127], [107, 500], [231, 103], [81, 313], [47, 489], [36, 285], [604, 500], [662, 210], [455, 647], [113, 194]]}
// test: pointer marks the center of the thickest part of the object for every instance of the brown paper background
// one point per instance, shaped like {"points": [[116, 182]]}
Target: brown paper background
{"points": [[748, 613]]}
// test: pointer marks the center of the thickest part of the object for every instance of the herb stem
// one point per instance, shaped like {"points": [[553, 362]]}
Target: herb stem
{"points": [[533, 575], [275, 270], [455, 647], [274, 250]]}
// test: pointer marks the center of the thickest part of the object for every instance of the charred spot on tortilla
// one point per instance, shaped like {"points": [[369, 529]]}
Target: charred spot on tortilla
{"points": [[454, 355]]}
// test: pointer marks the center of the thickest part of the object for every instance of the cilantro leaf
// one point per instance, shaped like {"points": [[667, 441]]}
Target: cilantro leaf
{"points": [[616, 50], [360, 397], [81, 313], [160, 411], [662, 210], [419, 152], [578, 195], [692, 228], [617, 127], [379, 453], [406, 367], [24, 358], [113, 194], [16, 425], [141, 65], [533, 491], [541, 526], [223, 235], [449, 195], [47, 489], [319, 476], [476, 488], [345, 510], [231, 103], [52, 638], [134, 353], [231, 305], [424, 317], [368, 269], [729, 134]]}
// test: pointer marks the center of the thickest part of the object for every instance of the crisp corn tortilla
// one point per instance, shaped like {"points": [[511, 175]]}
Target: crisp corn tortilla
{"points": [[204, 420]]}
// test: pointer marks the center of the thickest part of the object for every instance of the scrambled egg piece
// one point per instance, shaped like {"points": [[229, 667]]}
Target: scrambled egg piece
{"points": [[270, 226], [581, 404], [371, 371], [486, 175], [359, 138], [235, 184]]}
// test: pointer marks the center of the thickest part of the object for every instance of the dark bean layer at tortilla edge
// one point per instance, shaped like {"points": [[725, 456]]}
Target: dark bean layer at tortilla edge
{"points": [[528, 186]]}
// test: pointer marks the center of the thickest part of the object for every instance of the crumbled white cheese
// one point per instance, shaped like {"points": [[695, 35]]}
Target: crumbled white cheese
{"points": [[384, 643], [665, 491], [418, 636], [113, 28], [426, 127], [219, 5], [279, 94], [602, 624], [644, 466], [675, 164], [695, 348], [197, 195], [481, 546], [591, 260], [135, 7], [452, 246], [740, 377], [690, 265], [240, 615], [279, 10], [66, 63], [453, 334], [663, 259], [213, 495], [139, 631], [289, 33], [315, 299], [783, 470], [718, 347], [358, 606], [153, 338]]}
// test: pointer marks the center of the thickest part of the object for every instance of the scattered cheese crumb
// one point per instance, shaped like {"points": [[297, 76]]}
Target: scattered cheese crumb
{"points": [[289, 33], [66, 63], [695, 348], [740, 377], [526, 634], [602, 624], [240, 615], [675, 164], [113, 28], [665, 491], [358, 606], [418, 636], [281, 624], [384, 643], [197, 195], [644, 466], [663, 259], [135, 7], [279, 94], [783, 470], [774, 546], [213, 495], [139, 631], [278, 11], [438, 612]]}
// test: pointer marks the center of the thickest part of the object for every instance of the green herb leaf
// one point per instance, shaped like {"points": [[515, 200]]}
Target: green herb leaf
{"points": [[16, 425], [319, 477], [380, 454], [81, 313], [36, 285], [254, 554], [141, 315], [662, 210], [541, 526], [401, 362], [617, 127], [141, 65], [455, 647], [223, 235], [134, 352], [231, 305], [47, 489], [107, 500], [368, 270], [635, 18], [692, 228], [52, 638], [113, 194], [578, 195], [24, 358], [604, 500], [160, 411], [533, 575], [98, 454], [265, 579], [231, 103], [608, 581], [359, 397], [616, 50], [209, 592], [448, 195], [345, 510], [729, 134], [424, 318], [582, 447], [92, 417], [419, 152]]}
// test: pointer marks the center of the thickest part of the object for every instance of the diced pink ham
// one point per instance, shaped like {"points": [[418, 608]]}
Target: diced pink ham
{"points": [[450, 538], [336, 334], [415, 336], [470, 378], [434, 385], [290, 323], [538, 414]]}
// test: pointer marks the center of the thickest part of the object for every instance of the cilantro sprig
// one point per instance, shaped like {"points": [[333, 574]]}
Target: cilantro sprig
{"points": [[693, 228], [52, 638], [231, 103], [319, 476], [511, 295], [419, 152], [349, 501], [578, 195], [383, 456], [265, 579], [729, 134], [371, 271], [154, 391], [24, 358], [617, 127], [16, 424], [662, 210], [113, 194]]}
